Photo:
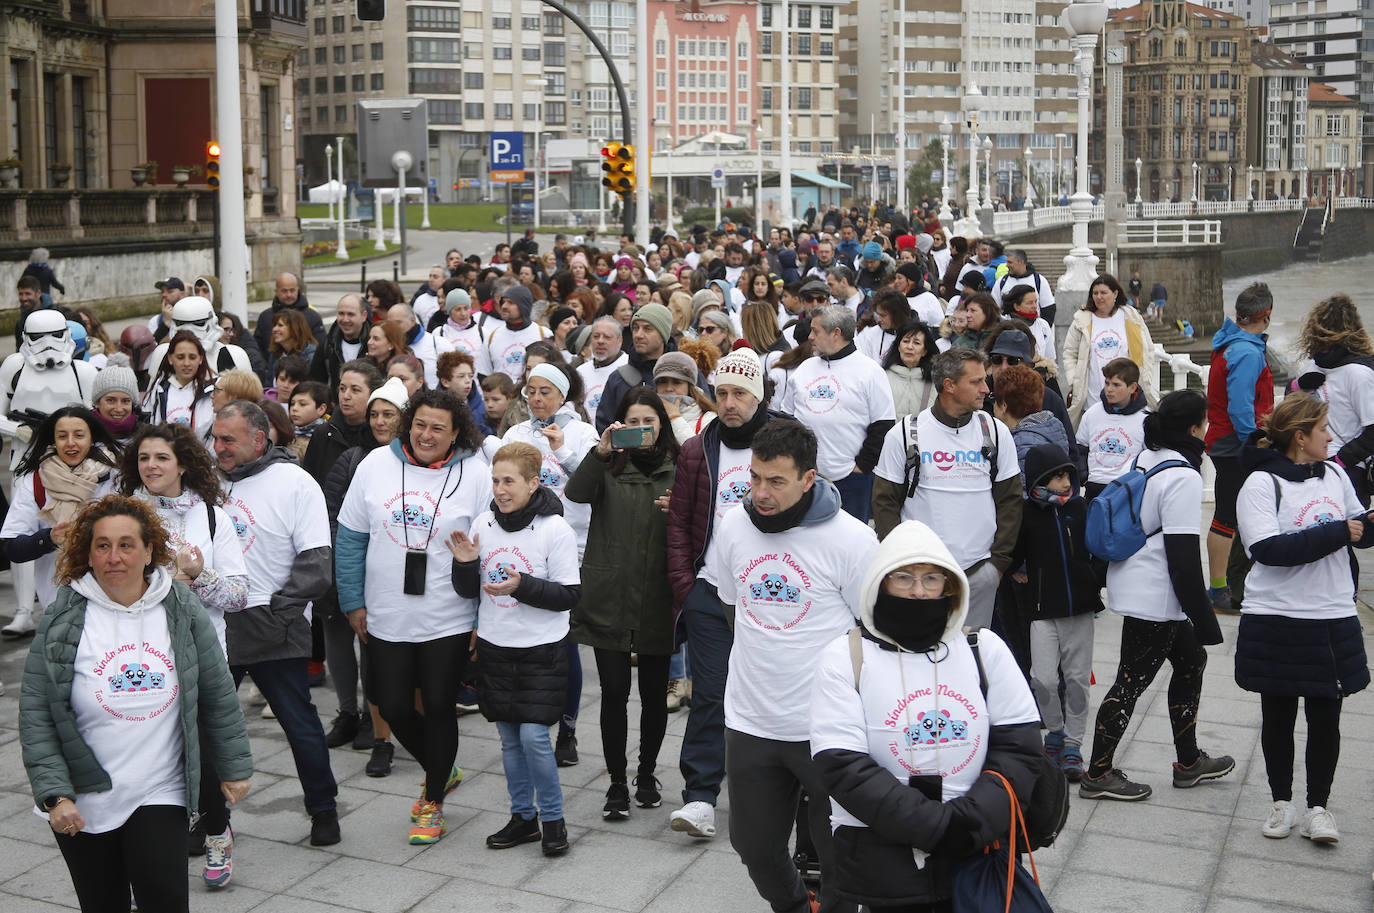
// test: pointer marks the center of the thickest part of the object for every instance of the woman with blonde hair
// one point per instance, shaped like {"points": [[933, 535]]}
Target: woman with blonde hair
{"points": [[233, 384], [1341, 374], [759, 323], [1299, 633], [680, 304]]}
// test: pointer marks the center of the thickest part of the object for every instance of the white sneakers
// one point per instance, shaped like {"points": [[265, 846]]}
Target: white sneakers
{"points": [[695, 818], [1318, 824], [24, 623]]}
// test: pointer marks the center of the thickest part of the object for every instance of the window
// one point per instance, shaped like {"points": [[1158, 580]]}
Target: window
{"points": [[472, 111], [555, 112], [444, 112], [472, 51], [359, 82], [439, 82], [620, 44], [355, 52], [1212, 141], [742, 115], [528, 53], [340, 24], [435, 50], [501, 22], [767, 15], [321, 26], [529, 23], [766, 98], [681, 80], [303, 86], [742, 50], [502, 111], [340, 53], [322, 115], [803, 98], [827, 17], [321, 56], [500, 52], [742, 81], [321, 85], [766, 42], [555, 83], [622, 15], [471, 80], [553, 53], [340, 84], [433, 18], [803, 17], [803, 45], [377, 50], [376, 82], [660, 48], [341, 114], [828, 48], [553, 23], [530, 112]]}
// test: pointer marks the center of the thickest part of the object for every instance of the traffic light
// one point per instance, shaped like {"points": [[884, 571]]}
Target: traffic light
{"points": [[370, 10], [619, 167], [212, 164]]}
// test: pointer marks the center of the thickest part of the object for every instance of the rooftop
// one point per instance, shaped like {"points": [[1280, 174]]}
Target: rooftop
{"points": [[1319, 93], [1137, 14]]}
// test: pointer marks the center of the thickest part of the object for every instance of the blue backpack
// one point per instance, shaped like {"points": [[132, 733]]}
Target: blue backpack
{"points": [[1113, 530]]}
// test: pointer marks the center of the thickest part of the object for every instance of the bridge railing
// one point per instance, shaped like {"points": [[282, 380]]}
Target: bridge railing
{"points": [[1173, 231], [1354, 203], [1182, 367]]}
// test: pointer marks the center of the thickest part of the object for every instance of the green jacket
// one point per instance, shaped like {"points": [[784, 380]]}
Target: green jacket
{"points": [[57, 759], [627, 603]]}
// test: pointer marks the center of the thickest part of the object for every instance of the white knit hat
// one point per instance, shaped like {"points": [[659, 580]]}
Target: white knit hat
{"points": [[393, 391], [741, 368]]}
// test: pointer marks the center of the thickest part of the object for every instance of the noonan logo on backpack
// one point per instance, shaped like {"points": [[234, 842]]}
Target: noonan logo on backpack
{"points": [[945, 460]]}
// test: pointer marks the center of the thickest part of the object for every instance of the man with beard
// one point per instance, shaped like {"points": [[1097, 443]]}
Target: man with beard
{"points": [[651, 332], [345, 341]]}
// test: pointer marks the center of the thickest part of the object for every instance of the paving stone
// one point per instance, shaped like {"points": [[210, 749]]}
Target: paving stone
{"points": [[362, 885]]}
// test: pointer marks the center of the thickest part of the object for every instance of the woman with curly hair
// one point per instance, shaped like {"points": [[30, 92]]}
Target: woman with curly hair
{"points": [[166, 467], [1342, 375], [113, 752]]}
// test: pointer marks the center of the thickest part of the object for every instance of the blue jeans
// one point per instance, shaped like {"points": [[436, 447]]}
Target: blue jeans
{"points": [[856, 495], [574, 701], [283, 682], [703, 743], [677, 665], [527, 756]]}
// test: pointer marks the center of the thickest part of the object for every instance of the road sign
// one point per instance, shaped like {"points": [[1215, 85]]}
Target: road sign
{"points": [[507, 157], [717, 177]]}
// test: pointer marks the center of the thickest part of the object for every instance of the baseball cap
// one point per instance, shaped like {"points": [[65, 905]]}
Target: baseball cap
{"points": [[170, 282]]}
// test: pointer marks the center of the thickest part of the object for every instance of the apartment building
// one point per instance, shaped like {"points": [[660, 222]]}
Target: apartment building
{"points": [[705, 70], [1334, 144], [1277, 128]]}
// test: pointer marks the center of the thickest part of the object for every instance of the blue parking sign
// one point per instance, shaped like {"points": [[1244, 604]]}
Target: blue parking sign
{"points": [[507, 157]]}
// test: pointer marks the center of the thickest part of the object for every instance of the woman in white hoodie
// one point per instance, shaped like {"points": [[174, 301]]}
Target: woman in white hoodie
{"points": [[180, 391], [907, 715]]}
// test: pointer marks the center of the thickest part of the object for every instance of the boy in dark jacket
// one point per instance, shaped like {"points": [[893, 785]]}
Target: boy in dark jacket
{"points": [[1062, 595]]}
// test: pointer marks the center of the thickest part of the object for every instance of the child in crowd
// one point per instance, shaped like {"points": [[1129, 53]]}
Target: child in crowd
{"points": [[457, 371], [309, 407], [291, 371], [1113, 430], [1063, 592], [498, 389]]}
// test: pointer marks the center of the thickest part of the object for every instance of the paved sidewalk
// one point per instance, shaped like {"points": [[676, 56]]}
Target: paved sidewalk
{"points": [[1183, 851]]}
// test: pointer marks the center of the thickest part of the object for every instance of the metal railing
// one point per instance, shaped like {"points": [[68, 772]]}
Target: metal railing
{"points": [[1188, 232], [1181, 367]]}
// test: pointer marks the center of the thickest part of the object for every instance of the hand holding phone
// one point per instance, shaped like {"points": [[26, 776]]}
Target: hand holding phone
{"points": [[631, 438]]}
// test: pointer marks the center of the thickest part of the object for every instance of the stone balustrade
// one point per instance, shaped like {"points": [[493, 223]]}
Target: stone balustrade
{"points": [[43, 216]]}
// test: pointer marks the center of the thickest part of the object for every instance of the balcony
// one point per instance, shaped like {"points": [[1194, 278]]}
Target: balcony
{"points": [[52, 216], [286, 17]]}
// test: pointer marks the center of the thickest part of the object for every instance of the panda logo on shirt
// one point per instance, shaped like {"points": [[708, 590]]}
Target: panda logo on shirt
{"points": [[822, 394], [774, 588], [137, 677]]}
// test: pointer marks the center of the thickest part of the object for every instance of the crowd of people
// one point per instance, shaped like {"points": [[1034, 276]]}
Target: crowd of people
{"points": [[829, 491]]}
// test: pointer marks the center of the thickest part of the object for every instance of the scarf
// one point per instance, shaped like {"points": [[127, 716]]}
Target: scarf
{"points": [[1184, 443], [1046, 496], [742, 437], [173, 512], [461, 326], [121, 429], [783, 521], [542, 502], [914, 624], [68, 488]]}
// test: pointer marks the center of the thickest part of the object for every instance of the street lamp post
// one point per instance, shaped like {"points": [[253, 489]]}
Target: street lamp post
{"points": [[1030, 185], [1304, 184], [987, 172], [973, 103], [784, 86], [1059, 169], [534, 173], [1083, 19], [1192, 198], [758, 187], [1139, 179], [901, 110], [341, 247], [1250, 182], [1230, 183], [329, 170], [946, 130], [668, 159]]}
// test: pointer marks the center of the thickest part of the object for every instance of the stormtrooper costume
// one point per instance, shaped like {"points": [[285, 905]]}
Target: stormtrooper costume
{"points": [[40, 378], [198, 315]]}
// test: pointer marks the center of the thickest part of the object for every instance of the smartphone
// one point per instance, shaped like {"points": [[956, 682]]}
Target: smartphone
{"points": [[413, 580], [629, 438]]}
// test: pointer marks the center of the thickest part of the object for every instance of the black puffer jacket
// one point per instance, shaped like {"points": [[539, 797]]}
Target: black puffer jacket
{"points": [[331, 442]]}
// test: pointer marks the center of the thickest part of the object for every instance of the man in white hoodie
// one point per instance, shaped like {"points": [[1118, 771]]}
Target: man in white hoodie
{"points": [[789, 566]]}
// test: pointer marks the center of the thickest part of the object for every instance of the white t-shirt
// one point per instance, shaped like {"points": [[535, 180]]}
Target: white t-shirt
{"points": [[732, 487], [874, 342], [425, 306], [504, 349], [838, 399], [22, 520], [278, 513], [1107, 341], [545, 549], [176, 404], [578, 439], [1139, 587], [403, 507], [928, 308], [954, 488], [428, 348], [914, 717], [1321, 589], [468, 341], [223, 553], [594, 379], [126, 697], [1349, 395], [1112, 440], [793, 593], [350, 350], [940, 257], [1044, 337]]}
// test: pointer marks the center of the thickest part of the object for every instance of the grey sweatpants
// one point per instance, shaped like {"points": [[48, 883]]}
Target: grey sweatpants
{"points": [[1063, 644], [765, 778], [982, 594]]}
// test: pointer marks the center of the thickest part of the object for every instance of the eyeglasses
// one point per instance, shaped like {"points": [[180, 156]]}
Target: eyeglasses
{"points": [[1008, 360], [711, 329], [815, 299], [903, 582]]}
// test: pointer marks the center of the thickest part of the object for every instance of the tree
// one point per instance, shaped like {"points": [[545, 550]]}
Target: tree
{"points": [[918, 176]]}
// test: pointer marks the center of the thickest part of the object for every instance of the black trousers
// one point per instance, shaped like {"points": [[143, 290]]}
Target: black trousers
{"points": [[1279, 714], [436, 668], [147, 853], [613, 667]]}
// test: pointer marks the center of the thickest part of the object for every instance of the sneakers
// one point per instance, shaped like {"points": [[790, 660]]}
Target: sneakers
{"points": [[343, 730], [366, 739], [1071, 762], [555, 838], [219, 865], [1221, 601], [695, 818], [617, 807], [565, 751], [467, 698], [25, 622], [679, 694], [517, 831], [324, 829], [1319, 827], [647, 793], [1113, 785], [1054, 745], [379, 765], [1282, 817], [455, 777], [428, 826], [1204, 768]]}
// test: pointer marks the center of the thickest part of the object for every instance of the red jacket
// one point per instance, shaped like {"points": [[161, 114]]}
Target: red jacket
{"points": [[691, 512]]}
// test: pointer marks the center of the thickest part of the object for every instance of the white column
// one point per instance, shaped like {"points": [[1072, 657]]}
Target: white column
{"points": [[1080, 266], [329, 170], [233, 256], [644, 133], [901, 109], [342, 252], [784, 84], [534, 171], [946, 130]]}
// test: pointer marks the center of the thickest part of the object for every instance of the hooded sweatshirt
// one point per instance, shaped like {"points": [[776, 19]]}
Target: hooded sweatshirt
{"points": [[793, 592], [503, 348], [1240, 388], [1053, 542]]}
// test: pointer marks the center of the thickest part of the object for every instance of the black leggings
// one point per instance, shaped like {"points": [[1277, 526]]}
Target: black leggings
{"points": [[1279, 715], [614, 669], [1145, 645], [436, 668], [213, 808], [147, 853]]}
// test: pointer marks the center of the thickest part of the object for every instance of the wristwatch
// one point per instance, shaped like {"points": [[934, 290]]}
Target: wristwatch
{"points": [[52, 802]]}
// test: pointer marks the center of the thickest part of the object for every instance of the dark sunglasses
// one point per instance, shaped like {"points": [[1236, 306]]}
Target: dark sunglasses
{"points": [[1010, 361], [815, 299]]}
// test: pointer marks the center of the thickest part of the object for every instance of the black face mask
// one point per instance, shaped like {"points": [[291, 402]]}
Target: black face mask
{"points": [[784, 520], [915, 624]]}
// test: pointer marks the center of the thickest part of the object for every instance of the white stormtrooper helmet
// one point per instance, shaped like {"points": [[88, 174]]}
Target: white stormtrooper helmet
{"points": [[48, 340], [197, 315]]}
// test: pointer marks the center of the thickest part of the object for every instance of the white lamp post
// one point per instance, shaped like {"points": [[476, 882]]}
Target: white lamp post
{"points": [[1059, 191], [341, 251], [1250, 182], [1304, 184], [534, 173], [901, 110], [668, 159], [1193, 197], [1030, 185], [329, 170], [1230, 183], [987, 172], [402, 162], [1083, 19], [973, 103], [1139, 179], [946, 131], [758, 186]]}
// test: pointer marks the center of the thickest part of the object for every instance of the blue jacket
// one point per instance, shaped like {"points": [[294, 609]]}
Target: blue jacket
{"points": [[1240, 388], [848, 251]]}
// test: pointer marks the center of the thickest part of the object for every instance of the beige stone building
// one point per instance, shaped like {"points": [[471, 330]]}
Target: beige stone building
{"points": [[1333, 142]]}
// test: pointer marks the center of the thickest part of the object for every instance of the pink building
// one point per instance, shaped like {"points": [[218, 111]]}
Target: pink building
{"points": [[704, 69]]}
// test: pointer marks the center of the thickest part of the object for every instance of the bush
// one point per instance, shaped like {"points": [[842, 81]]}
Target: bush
{"points": [[706, 215]]}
